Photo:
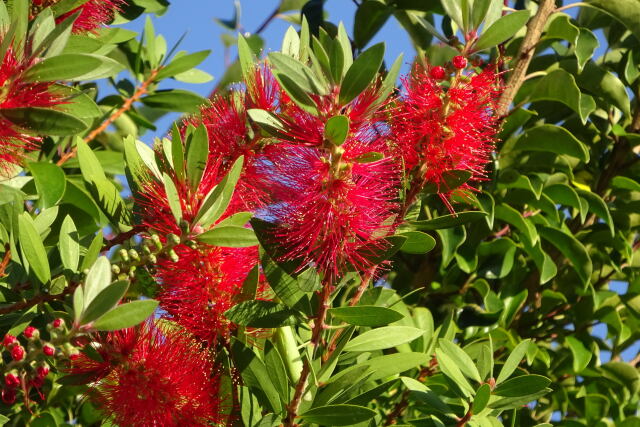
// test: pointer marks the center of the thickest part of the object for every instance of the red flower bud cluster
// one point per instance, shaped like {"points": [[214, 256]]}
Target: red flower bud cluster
{"points": [[28, 367]]}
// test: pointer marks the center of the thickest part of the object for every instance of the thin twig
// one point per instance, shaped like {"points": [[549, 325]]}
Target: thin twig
{"points": [[126, 106], [38, 299], [316, 335], [5, 260]]}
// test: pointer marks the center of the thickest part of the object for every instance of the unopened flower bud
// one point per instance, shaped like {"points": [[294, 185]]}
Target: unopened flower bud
{"points": [[11, 379], [191, 244], [31, 333], [172, 239], [58, 323], [459, 62], [36, 382], [437, 73], [152, 259], [133, 254], [115, 269], [9, 340], [156, 241], [9, 395], [17, 352], [197, 229], [173, 256], [42, 370], [123, 255], [48, 350]]}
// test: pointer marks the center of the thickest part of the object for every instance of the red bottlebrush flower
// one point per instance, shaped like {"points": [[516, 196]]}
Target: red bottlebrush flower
{"points": [[48, 350], [17, 352], [11, 380], [9, 340], [263, 90], [94, 14], [16, 92], [155, 378], [202, 285], [329, 216], [440, 129]]}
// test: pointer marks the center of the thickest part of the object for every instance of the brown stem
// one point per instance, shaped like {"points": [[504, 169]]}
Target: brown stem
{"points": [[37, 300], [403, 403], [5, 260], [126, 106], [123, 237], [464, 420], [534, 32], [316, 335]]}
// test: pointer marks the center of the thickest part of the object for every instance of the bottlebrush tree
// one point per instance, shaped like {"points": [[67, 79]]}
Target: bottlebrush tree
{"points": [[323, 241]]}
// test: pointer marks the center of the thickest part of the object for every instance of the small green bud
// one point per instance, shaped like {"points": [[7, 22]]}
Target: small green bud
{"points": [[115, 269], [173, 255], [133, 254], [123, 255]]}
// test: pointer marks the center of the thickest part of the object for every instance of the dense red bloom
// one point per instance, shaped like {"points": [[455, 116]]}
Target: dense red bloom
{"points": [[440, 129], [153, 377], [30, 332], [48, 350], [459, 62], [9, 340], [16, 92], [202, 285], [94, 14], [11, 380]]}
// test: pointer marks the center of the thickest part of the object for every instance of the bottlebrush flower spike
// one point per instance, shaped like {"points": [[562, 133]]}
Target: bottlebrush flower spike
{"points": [[16, 92], [153, 377], [442, 127], [204, 283], [332, 208], [94, 14]]}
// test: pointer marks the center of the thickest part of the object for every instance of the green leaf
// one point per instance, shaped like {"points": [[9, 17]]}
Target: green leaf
{"points": [[254, 373], [451, 180], [44, 121], [98, 278], [453, 9], [73, 67], [586, 45], [295, 70], [625, 11], [261, 314], [197, 155], [511, 216], [126, 315], [417, 242], [460, 358], [177, 100], [523, 385], [483, 394], [229, 236], [182, 64], [512, 362], [245, 55], [504, 28], [478, 13], [172, 197], [560, 86], [275, 366], [33, 248], [69, 244], [50, 182], [366, 315], [448, 221], [581, 354], [385, 337], [554, 139], [107, 299], [291, 43], [572, 249], [93, 251], [361, 73], [369, 18], [336, 129], [370, 157], [624, 183], [451, 369], [338, 415], [267, 121]]}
